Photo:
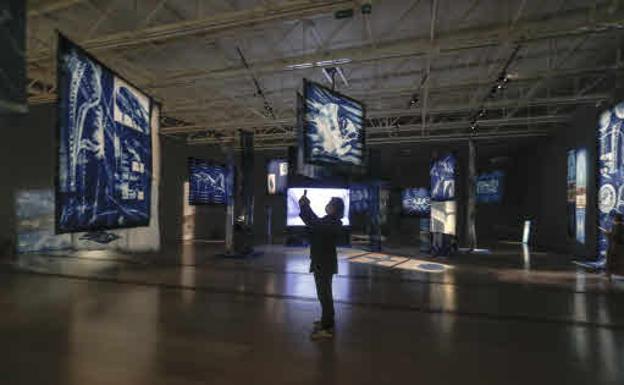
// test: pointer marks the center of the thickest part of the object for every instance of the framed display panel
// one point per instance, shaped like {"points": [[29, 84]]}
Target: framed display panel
{"points": [[610, 172], [333, 127], [208, 183], [104, 157], [416, 201], [444, 217], [319, 198], [580, 202], [277, 176], [489, 187], [442, 173], [360, 198], [571, 193]]}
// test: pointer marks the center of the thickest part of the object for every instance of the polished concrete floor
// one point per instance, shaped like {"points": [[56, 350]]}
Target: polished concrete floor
{"points": [[186, 316]]}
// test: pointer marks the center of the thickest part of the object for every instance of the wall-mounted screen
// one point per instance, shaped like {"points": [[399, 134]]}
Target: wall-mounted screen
{"points": [[207, 183], [611, 171], [416, 201], [319, 198], [443, 178], [277, 176], [105, 146], [444, 217], [360, 198], [490, 187], [333, 127]]}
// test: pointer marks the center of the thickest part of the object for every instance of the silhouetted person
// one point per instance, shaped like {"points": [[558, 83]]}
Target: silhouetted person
{"points": [[324, 263], [615, 253]]}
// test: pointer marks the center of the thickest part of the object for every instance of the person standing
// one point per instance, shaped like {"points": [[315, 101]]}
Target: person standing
{"points": [[324, 233], [615, 252]]}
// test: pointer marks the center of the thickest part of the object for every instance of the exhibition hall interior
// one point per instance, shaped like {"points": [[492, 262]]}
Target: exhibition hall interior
{"points": [[311, 192]]}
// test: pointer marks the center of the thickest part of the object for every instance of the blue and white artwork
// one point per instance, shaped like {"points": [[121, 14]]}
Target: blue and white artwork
{"points": [[105, 147], [611, 171], [443, 178], [571, 192], [277, 176], [333, 127], [416, 201], [360, 196], [34, 214], [489, 187], [207, 183]]}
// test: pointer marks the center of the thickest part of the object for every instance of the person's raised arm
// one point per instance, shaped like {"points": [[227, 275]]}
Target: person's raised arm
{"points": [[305, 211]]}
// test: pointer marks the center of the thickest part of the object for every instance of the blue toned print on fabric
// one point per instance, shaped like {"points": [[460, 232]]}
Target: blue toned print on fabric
{"points": [[489, 187], [360, 197], [334, 127], [207, 183], [416, 201], [105, 149], [611, 172], [443, 178]]}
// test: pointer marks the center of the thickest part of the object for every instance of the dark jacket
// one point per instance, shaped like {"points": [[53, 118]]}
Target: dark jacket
{"points": [[324, 233], [615, 252]]}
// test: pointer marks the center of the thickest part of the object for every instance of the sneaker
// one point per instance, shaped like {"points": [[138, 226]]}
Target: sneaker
{"points": [[322, 334], [317, 324]]}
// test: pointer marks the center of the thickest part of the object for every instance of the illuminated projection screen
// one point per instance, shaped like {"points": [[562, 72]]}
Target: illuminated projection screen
{"points": [[333, 127], [443, 178], [277, 176], [105, 147], [571, 193], [611, 171], [360, 198], [581, 195], [490, 187], [207, 183], [416, 201], [443, 217], [319, 198]]}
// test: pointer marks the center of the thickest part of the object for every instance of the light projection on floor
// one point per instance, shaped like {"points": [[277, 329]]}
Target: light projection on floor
{"points": [[443, 178], [360, 198], [319, 198], [34, 214], [277, 176], [207, 183], [416, 201], [105, 148], [611, 172], [333, 127], [490, 187], [581, 195]]}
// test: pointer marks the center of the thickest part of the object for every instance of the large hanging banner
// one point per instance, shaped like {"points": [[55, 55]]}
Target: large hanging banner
{"points": [[208, 183], [443, 178], [104, 146], [333, 127], [489, 187], [611, 172]]}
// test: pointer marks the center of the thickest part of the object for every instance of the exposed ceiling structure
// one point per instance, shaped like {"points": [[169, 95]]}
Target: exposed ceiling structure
{"points": [[425, 68]]}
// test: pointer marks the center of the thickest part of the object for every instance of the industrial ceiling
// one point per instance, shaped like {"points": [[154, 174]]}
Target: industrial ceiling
{"points": [[428, 70]]}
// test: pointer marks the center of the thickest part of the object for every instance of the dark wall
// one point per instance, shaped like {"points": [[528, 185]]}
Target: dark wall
{"points": [[27, 159]]}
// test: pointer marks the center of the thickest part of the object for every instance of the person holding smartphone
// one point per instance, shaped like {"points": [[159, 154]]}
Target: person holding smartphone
{"points": [[324, 233]]}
